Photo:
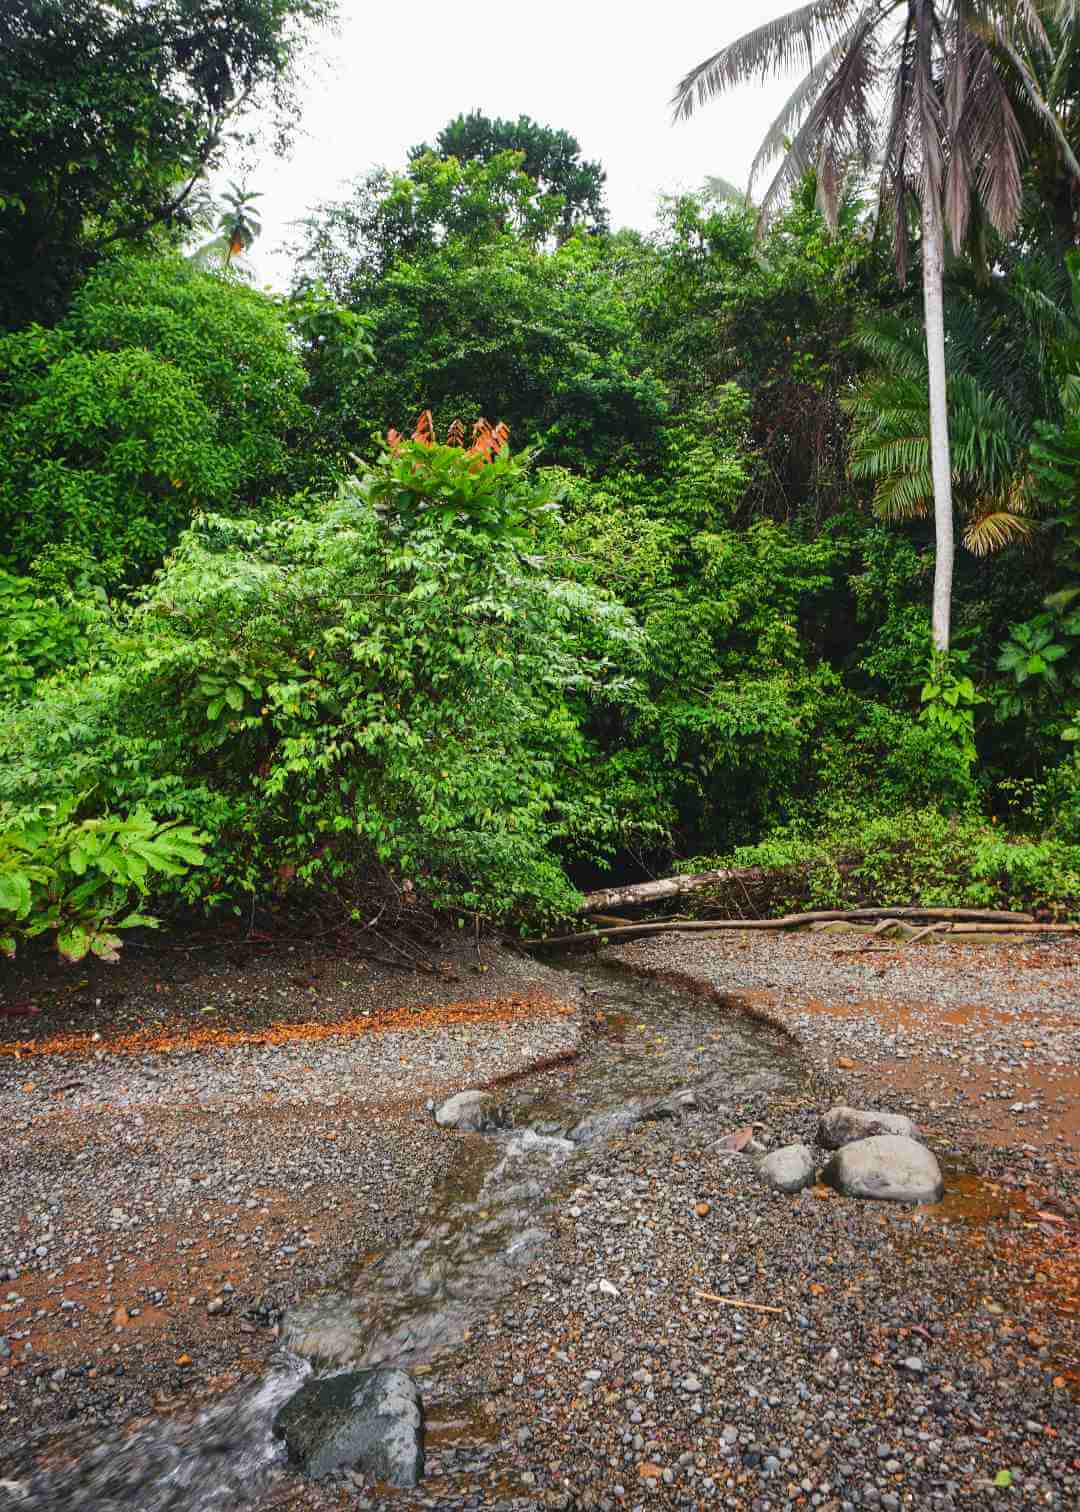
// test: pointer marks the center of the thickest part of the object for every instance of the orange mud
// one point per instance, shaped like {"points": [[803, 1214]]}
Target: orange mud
{"points": [[164, 1039]]}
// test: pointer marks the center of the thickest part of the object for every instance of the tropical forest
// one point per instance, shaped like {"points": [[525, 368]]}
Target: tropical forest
{"points": [[496, 631]]}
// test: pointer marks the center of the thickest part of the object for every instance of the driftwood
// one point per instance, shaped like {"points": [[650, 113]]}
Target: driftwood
{"points": [[643, 894], [1023, 927], [987, 918]]}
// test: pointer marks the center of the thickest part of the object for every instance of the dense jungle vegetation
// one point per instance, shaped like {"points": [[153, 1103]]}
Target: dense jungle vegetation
{"points": [[646, 575]]}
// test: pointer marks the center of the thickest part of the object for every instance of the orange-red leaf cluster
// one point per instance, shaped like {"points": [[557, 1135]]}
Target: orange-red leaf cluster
{"points": [[487, 439]]}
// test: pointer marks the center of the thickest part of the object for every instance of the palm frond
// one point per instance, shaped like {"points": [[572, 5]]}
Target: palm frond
{"points": [[989, 131], [1042, 109], [994, 529], [777, 47], [836, 134], [802, 98], [905, 496]]}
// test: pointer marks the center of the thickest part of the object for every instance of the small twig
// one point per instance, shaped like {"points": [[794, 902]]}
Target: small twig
{"points": [[737, 1302], [414, 961]]}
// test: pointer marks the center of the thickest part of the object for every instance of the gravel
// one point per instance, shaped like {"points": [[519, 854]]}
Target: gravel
{"points": [[690, 1338], [161, 1209]]}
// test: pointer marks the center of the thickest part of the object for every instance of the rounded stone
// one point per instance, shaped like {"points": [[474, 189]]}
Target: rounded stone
{"points": [[842, 1125], [788, 1169], [886, 1167], [370, 1419]]}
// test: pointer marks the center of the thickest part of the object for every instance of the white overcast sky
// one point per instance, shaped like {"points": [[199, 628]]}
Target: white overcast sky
{"points": [[390, 77]]}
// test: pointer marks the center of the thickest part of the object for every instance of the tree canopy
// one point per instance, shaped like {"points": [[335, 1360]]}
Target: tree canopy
{"points": [[111, 113]]}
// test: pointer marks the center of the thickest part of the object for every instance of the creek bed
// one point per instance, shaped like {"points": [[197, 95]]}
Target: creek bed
{"points": [[642, 1041]]}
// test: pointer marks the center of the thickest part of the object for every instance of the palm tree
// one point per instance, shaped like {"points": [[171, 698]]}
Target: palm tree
{"points": [[237, 227], [925, 92], [1012, 340]]}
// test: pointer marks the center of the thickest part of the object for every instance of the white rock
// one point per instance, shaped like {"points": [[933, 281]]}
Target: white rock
{"points": [[888, 1167], [788, 1169], [462, 1111]]}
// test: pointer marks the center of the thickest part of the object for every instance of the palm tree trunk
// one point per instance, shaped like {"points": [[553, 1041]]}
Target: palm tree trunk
{"points": [[933, 262]]}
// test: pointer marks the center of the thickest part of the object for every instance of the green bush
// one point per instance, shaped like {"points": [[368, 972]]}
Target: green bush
{"points": [[43, 633], [383, 687], [77, 878], [165, 390], [917, 857]]}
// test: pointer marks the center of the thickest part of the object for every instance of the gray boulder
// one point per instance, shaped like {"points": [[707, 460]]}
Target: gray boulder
{"points": [[888, 1167], [367, 1419], [841, 1126], [472, 1112], [788, 1169]]}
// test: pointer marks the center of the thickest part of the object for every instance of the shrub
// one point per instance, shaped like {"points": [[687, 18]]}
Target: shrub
{"points": [[165, 390], [77, 878], [917, 857], [42, 633], [382, 686]]}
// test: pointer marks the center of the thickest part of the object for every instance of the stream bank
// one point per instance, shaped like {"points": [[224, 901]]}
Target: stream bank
{"points": [[573, 1393]]}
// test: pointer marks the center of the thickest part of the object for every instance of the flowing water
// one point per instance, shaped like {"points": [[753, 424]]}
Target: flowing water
{"points": [[645, 1042]]}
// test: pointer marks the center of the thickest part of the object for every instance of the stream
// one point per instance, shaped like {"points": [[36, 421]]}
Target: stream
{"points": [[644, 1042]]}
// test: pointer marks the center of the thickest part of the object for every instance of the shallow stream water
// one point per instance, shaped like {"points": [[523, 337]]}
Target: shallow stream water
{"points": [[643, 1042]]}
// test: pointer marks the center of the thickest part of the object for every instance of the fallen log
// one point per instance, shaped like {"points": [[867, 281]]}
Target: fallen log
{"points": [[629, 932], [642, 894], [1022, 927]]}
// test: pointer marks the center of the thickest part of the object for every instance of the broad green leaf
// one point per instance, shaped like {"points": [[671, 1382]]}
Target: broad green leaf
{"points": [[15, 893]]}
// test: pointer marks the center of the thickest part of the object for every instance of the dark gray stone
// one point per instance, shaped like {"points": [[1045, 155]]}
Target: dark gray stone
{"points": [[372, 1420], [841, 1126], [887, 1167]]}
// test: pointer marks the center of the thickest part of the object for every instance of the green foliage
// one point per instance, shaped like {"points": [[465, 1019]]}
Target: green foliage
{"points": [[949, 699], [109, 114], [42, 633], [394, 218], [545, 342], [77, 878], [1010, 341], [164, 391], [359, 689], [483, 490], [1042, 660], [914, 857], [552, 159]]}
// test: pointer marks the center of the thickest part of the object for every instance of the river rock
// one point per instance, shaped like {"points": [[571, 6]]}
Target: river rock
{"points": [[841, 1126], [472, 1112], [603, 1125], [889, 1167], [788, 1169], [672, 1106], [367, 1419]]}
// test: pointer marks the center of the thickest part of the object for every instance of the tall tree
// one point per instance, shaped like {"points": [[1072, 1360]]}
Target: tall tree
{"points": [[925, 91], [111, 111], [552, 158]]}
